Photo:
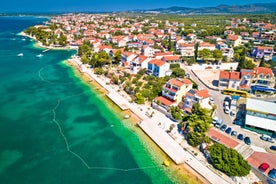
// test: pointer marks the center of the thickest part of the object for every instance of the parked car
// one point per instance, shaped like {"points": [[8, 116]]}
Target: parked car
{"points": [[232, 113], [227, 99], [234, 133], [217, 125], [240, 137], [272, 173], [225, 104], [247, 140], [228, 130], [267, 138], [211, 100], [215, 120], [273, 148], [263, 167], [223, 127], [226, 110]]}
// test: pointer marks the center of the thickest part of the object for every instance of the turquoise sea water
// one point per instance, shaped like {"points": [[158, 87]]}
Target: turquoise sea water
{"points": [[54, 128]]}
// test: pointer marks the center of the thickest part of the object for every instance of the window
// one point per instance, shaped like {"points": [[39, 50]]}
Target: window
{"points": [[261, 75], [267, 76]]}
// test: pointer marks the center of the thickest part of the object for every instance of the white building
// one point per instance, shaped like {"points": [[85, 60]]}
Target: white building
{"points": [[261, 115]]}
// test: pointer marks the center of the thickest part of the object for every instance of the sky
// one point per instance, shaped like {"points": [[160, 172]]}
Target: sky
{"points": [[109, 5]]}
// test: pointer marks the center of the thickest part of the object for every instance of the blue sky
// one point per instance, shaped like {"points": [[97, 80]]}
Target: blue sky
{"points": [[109, 5]]}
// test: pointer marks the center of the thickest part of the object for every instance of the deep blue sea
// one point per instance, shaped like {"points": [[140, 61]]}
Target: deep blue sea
{"points": [[55, 128]]}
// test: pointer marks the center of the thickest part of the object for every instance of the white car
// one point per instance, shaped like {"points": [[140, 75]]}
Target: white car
{"points": [[226, 110], [226, 104], [211, 100]]}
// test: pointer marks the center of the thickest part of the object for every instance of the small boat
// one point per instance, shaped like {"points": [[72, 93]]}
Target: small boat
{"points": [[39, 55], [166, 163], [20, 54], [126, 116]]}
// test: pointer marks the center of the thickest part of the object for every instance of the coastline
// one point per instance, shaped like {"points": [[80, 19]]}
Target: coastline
{"points": [[183, 172], [38, 44]]}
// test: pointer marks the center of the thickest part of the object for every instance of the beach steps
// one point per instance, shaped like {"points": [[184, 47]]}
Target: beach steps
{"points": [[245, 150]]}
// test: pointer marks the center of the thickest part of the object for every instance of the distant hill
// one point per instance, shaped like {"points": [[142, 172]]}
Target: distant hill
{"points": [[220, 9]]}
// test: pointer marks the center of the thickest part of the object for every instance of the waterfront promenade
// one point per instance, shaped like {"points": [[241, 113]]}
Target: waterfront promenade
{"points": [[151, 126]]}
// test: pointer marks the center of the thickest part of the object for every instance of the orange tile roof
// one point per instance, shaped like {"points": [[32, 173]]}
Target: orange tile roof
{"points": [[186, 44], [224, 75], [102, 47], [163, 53], [179, 82], [164, 100], [142, 58], [264, 48], [232, 37], [235, 75], [204, 93], [157, 62], [206, 44], [263, 70], [172, 58]]}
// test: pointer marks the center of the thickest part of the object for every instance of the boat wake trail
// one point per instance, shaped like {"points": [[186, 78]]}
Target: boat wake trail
{"points": [[48, 81], [81, 158]]}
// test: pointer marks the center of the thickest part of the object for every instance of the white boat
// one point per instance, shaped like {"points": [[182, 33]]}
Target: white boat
{"points": [[126, 116], [39, 55], [20, 54]]}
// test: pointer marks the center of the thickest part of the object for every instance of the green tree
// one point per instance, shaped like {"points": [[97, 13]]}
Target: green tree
{"points": [[176, 112], [117, 56], [178, 72], [217, 54], [262, 63], [205, 54], [139, 98], [85, 49], [228, 160]]}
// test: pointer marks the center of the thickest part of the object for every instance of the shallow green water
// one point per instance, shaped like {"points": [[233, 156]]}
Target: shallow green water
{"points": [[54, 128]]}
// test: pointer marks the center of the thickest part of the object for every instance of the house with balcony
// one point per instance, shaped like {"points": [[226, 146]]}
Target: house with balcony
{"points": [[259, 52], [234, 40], [138, 63], [186, 49], [245, 82], [196, 96], [158, 68], [229, 79], [148, 51], [226, 51], [206, 45], [175, 88], [263, 80], [172, 94]]}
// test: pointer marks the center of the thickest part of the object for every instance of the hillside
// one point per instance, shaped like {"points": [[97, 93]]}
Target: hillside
{"points": [[220, 9]]}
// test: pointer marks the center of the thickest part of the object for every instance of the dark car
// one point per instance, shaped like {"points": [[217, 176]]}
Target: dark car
{"points": [[272, 173], [228, 130], [223, 127], [273, 148], [247, 140], [263, 167], [227, 99], [234, 133], [240, 137]]}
